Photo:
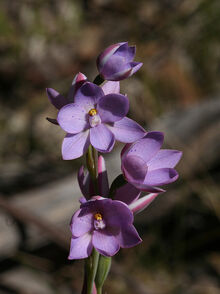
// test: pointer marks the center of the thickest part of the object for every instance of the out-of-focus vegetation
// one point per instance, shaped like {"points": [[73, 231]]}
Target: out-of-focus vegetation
{"points": [[44, 44]]}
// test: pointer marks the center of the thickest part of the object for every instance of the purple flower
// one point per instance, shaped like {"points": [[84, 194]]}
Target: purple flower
{"points": [[104, 224], [116, 63], [145, 166], [59, 100], [96, 118]]}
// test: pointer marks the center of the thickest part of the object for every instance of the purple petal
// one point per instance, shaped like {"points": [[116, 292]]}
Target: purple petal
{"points": [[147, 188], [135, 67], [113, 107], [82, 200], [56, 98], [126, 130], [105, 243], [77, 82], [117, 213], [102, 177], [142, 203], [88, 95], [52, 120], [80, 247], [146, 147], [81, 224], [73, 118], [111, 87], [85, 183], [101, 138], [106, 54], [164, 158], [134, 168], [127, 194], [161, 176], [75, 146], [128, 237], [116, 68], [127, 52]]}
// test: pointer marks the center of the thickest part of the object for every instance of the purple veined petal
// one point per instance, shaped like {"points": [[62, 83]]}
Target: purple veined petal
{"points": [[161, 176], [113, 107], [75, 146], [134, 168], [77, 82], [81, 224], [127, 131], [146, 147], [111, 87], [101, 138], [88, 95], [127, 194], [56, 98], [165, 158], [135, 67], [128, 237], [102, 177], [81, 247], [127, 52], [106, 54], [105, 243], [116, 213], [72, 118], [142, 203], [85, 183], [52, 120]]}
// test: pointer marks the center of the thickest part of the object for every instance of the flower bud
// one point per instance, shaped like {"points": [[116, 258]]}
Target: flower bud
{"points": [[116, 63]]}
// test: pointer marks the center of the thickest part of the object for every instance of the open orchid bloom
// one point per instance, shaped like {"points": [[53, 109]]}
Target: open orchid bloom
{"points": [[145, 166], [97, 119], [116, 63], [104, 224]]}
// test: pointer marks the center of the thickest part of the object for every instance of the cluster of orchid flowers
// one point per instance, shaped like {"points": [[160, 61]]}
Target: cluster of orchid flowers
{"points": [[94, 117]]}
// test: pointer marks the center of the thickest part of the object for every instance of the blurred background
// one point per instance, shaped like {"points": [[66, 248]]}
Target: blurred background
{"points": [[44, 44]]}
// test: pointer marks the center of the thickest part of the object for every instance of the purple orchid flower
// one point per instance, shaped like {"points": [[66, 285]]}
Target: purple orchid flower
{"points": [[145, 166], [127, 193], [59, 100], [103, 224], [98, 119], [116, 63]]}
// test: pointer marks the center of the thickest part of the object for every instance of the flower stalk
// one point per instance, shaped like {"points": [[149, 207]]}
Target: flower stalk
{"points": [[92, 261]]}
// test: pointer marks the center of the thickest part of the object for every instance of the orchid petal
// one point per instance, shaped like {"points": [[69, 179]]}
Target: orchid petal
{"points": [[112, 107], [81, 247], [75, 146], [126, 130], [73, 118], [101, 138], [142, 203], [56, 98]]}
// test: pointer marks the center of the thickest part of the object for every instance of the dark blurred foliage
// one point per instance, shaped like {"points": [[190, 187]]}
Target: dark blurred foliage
{"points": [[44, 44]]}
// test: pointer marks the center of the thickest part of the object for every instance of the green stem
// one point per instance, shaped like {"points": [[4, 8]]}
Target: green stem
{"points": [[92, 165], [91, 269], [99, 290], [92, 261], [98, 80]]}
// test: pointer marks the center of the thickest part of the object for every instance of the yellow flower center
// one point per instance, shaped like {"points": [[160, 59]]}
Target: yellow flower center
{"points": [[93, 112], [98, 216]]}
